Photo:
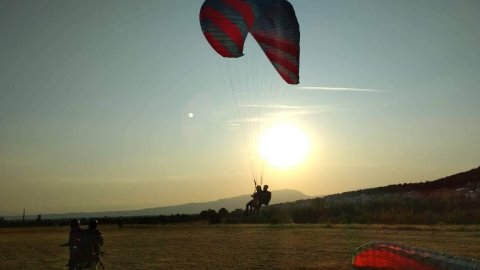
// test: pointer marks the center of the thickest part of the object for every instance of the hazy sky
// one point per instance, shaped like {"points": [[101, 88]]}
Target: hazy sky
{"points": [[95, 97]]}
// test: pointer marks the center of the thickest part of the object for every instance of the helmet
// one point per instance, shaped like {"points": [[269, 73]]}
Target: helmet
{"points": [[92, 224], [74, 223]]}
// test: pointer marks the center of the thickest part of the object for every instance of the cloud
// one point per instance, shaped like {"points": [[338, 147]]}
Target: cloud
{"points": [[273, 111], [340, 89], [239, 121], [288, 110], [279, 107]]}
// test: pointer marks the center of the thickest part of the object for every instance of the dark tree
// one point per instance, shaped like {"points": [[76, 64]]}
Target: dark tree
{"points": [[222, 213]]}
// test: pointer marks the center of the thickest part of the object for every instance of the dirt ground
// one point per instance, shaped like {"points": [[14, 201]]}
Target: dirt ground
{"points": [[198, 246]]}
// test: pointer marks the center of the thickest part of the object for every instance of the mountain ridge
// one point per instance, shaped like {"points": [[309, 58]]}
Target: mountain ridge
{"points": [[236, 202], [467, 180], [466, 184]]}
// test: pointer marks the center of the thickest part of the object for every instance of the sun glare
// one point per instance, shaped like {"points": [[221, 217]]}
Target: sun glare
{"points": [[284, 146]]}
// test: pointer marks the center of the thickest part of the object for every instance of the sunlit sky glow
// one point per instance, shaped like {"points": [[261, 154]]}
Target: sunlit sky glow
{"points": [[116, 105], [283, 146]]}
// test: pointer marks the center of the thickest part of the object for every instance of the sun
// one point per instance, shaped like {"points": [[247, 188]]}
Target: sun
{"points": [[284, 146]]}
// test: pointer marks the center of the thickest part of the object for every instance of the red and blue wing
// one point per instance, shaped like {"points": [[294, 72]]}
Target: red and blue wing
{"points": [[278, 33], [225, 24], [273, 24]]}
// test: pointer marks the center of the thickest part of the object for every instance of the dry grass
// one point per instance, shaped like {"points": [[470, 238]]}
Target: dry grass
{"points": [[230, 246]]}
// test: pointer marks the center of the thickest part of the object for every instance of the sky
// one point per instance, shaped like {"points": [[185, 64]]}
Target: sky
{"points": [[95, 98]]}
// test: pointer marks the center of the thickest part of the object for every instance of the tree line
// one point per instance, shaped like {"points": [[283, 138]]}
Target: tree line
{"points": [[386, 209]]}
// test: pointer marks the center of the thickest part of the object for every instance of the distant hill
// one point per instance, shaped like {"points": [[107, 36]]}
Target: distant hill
{"points": [[278, 196], [454, 199], [464, 182]]}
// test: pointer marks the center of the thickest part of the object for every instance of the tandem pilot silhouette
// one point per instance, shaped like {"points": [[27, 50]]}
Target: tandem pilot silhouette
{"points": [[259, 197]]}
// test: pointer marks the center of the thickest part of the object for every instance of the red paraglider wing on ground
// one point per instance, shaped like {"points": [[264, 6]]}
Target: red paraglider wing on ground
{"points": [[383, 259], [392, 256]]}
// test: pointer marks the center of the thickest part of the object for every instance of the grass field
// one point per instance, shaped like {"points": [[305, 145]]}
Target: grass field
{"points": [[229, 246]]}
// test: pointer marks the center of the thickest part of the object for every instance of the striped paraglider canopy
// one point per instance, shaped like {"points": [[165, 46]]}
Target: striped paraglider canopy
{"points": [[273, 24], [392, 256]]}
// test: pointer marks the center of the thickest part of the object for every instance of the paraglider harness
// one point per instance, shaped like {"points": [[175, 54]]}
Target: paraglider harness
{"points": [[264, 196], [260, 197]]}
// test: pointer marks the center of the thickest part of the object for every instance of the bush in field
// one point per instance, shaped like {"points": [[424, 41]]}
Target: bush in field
{"points": [[211, 215], [279, 216], [305, 215], [214, 218], [222, 213], [236, 216]]}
